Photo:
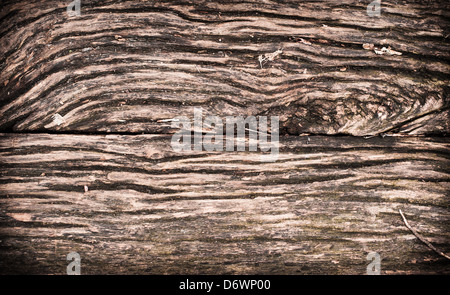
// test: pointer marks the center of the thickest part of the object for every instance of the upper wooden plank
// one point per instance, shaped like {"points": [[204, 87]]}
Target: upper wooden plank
{"points": [[123, 66]]}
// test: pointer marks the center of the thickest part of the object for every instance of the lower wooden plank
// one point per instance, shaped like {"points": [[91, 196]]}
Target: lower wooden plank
{"points": [[128, 204]]}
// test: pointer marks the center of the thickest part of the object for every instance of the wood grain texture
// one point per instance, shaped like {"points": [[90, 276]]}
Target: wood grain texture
{"points": [[320, 209], [122, 66]]}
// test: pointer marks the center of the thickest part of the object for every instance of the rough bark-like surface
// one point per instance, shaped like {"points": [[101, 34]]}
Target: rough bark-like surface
{"points": [[122, 66], [320, 209], [129, 204]]}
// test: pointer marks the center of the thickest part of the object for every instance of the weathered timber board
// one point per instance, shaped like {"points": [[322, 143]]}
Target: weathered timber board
{"points": [[121, 66], [320, 209]]}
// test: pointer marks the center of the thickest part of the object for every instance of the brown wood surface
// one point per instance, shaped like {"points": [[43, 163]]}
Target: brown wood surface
{"points": [[320, 209], [86, 163], [122, 66]]}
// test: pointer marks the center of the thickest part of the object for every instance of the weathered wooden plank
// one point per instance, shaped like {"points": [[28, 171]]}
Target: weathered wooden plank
{"points": [[122, 66], [320, 208]]}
